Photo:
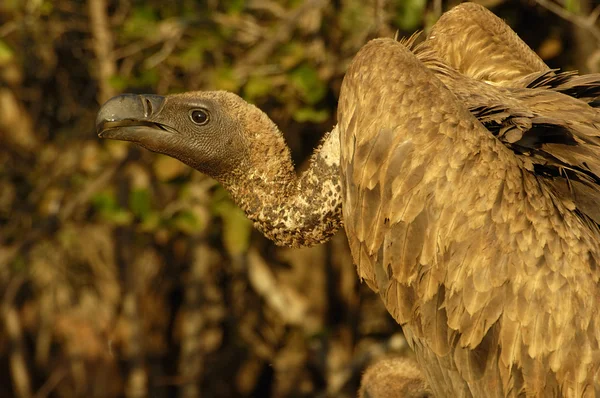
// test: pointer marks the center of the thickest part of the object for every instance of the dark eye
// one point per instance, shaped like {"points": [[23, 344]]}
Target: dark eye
{"points": [[199, 116]]}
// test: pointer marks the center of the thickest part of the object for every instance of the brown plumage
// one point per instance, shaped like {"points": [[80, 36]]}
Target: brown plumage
{"points": [[480, 45], [394, 377], [490, 271], [472, 208]]}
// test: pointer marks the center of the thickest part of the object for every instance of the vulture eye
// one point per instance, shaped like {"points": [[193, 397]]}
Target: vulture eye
{"points": [[199, 116]]}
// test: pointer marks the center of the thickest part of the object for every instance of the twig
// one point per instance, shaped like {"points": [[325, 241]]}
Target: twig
{"points": [[103, 48], [593, 17], [12, 324], [136, 384], [88, 191], [379, 14], [169, 33], [8, 254], [282, 33], [437, 9], [56, 377], [583, 22], [8, 28], [191, 359], [166, 50]]}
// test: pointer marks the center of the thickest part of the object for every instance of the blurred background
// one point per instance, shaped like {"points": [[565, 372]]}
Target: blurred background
{"points": [[126, 274]]}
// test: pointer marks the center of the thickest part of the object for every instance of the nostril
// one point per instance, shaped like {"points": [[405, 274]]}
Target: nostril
{"points": [[149, 109], [151, 104]]}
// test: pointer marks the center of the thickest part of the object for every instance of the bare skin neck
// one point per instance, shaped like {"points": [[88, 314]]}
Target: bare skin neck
{"points": [[288, 209]]}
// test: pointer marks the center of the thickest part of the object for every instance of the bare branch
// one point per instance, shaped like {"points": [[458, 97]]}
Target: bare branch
{"points": [[587, 23], [12, 323], [103, 48], [55, 378], [593, 17], [283, 32]]}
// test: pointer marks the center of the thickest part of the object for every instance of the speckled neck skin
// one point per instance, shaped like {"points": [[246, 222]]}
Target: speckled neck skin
{"points": [[288, 209]]}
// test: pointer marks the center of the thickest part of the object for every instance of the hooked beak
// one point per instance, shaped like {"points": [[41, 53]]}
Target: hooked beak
{"points": [[129, 117]]}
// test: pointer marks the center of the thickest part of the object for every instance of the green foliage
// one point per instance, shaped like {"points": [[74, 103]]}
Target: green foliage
{"points": [[291, 54], [236, 226], [6, 53], [234, 6], [304, 115], [19, 265], [186, 222], [193, 55], [409, 14], [118, 82], [308, 84], [151, 222], [105, 203], [10, 5], [353, 17], [236, 229], [573, 6], [224, 78], [145, 78], [140, 202], [256, 87], [141, 24], [47, 7]]}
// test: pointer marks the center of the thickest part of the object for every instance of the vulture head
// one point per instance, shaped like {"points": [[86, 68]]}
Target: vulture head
{"points": [[209, 131]]}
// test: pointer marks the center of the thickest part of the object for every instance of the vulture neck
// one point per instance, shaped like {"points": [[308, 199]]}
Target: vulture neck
{"points": [[289, 209]]}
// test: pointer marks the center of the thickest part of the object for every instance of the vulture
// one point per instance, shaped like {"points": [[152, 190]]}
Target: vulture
{"points": [[466, 174]]}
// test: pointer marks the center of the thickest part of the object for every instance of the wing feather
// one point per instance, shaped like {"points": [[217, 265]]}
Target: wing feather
{"points": [[489, 271], [480, 45]]}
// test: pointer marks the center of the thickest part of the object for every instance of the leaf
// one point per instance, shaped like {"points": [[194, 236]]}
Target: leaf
{"points": [[104, 200], [109, 210], [306, 80], [291, 55], [256, 87], [140, 202], [6, 53], [193, 55], [118, 217], [19, 264], [573, 6], [117, 82], [225, 79], [204, 42], [46, 8], [311, 115], [235, 6], [409, 14], [354, 18], [187, 222], [237, 228], [11, 5], [142, 23], [151, 222], [148, 77]]}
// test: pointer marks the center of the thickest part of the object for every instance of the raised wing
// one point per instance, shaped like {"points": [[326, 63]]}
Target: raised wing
{"points": [[546, 122], [492, 276], [480, 45]]}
